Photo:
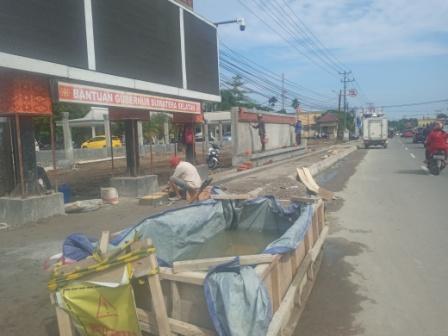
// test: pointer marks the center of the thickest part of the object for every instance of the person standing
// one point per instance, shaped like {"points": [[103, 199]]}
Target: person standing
{"points": [[261, 126], [188, 140], [298, 131]]}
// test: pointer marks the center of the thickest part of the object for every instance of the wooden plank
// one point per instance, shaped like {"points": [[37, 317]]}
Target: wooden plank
{"points": [[147, 324], [205, 264], [275, 285], [192, 278], [176, 306], [315, 227], [307, 200], [283, 313], [310, 178], [319, 243], [285, 272], [296, 312], [104, 242], [65, 326], [270, 266], [304, 179], [158, 301], [231, 197]]}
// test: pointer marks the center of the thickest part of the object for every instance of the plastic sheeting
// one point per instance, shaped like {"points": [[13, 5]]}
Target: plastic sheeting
{"points": [[237, 299]]}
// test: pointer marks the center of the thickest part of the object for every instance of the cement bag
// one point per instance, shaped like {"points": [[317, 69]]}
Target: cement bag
{"points": [[98, 310], [237, 300]]}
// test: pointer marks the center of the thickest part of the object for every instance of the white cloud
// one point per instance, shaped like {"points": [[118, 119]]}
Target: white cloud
{"points": [[355, 30]]}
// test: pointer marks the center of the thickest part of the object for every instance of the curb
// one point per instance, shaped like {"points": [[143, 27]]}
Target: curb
{"points": [[235, 175], [318, 167]]}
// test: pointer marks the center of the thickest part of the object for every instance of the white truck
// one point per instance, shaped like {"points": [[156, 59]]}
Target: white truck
{"points": [[375, 132]]}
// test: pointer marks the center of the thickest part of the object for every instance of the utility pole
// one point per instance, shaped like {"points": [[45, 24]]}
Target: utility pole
{"points": [[339, 104], [345, 80], [283, 92]]}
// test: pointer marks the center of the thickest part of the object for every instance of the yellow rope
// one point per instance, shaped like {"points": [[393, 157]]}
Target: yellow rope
{"points": [[114, 260]]}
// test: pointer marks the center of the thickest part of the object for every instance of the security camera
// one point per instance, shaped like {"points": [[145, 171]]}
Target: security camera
{"points": [[242, 24]]}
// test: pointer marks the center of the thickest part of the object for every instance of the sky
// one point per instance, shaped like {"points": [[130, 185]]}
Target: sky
{"points": [[397, 50]]}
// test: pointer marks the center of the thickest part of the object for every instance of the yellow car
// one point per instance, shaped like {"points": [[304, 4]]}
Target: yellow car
{"points": [[100, 142]]}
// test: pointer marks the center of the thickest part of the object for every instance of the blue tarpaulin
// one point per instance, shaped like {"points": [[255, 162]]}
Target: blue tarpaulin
{"points": [[237, 299]]}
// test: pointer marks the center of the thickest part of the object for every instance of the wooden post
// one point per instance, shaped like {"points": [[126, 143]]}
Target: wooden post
{"points": [[157, 297], [20, 152], [65, 326], [53, 149]]}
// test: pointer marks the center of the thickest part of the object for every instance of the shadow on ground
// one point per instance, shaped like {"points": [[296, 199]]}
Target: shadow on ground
{"points": [[335, 299]]}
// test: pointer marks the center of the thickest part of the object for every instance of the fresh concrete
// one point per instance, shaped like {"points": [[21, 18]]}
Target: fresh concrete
{"points": [[139, 186], [387, 253], [18, 211]]}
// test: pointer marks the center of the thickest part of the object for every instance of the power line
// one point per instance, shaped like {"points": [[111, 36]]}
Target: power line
{"points": [[319, 42], [429, 102], [238, 57], [285, 38]]}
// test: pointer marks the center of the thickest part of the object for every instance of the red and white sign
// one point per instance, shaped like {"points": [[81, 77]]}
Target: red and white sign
{"points": [[83, 94]]}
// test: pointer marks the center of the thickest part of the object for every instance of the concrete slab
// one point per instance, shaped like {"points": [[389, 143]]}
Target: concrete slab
{"points": [[18, 211], [139, 186]]}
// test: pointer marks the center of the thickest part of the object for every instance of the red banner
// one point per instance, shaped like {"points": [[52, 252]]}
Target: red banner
{"points": [[83, 94]]}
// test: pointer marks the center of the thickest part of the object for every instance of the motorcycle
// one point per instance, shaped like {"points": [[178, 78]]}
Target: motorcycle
{"points": [[213, 156], [437, 162]]}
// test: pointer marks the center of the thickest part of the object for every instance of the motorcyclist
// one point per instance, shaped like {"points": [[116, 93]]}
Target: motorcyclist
{"points": [[437, 140]]}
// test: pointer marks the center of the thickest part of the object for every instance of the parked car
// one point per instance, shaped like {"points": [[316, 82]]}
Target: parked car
{"points": [[419, 136], [407, 134], [100, 142]]}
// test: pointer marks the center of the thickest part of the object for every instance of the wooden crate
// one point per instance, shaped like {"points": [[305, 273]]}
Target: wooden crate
{"points": [[177, 305]]}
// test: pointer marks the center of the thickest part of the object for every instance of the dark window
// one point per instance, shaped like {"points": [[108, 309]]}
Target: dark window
{"points": [[201, 55], [138, 39], [49, 30]]}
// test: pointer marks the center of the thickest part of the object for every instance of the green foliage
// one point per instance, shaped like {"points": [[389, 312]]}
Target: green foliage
{"points": [[348, 120], [403, 124], [295, 104], [153, 130], [272, 101], [42, 124]]}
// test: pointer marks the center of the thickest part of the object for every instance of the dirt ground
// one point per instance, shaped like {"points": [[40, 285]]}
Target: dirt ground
{"points": [[26, 309], [86, 179]]}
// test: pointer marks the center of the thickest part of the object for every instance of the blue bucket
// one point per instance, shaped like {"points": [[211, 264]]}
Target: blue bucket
{"points": [[66, 191]]}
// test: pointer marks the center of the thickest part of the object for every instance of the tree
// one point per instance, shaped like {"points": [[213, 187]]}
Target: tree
{"points": [[272, 101], [442, 116], [153, 130], [295, 104]]}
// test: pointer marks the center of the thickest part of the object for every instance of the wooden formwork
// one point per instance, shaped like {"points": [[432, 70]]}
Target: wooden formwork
{"points": [[172, 302]]}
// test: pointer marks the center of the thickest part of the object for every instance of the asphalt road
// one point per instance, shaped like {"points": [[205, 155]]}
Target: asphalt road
{"points": [[385, 270]]}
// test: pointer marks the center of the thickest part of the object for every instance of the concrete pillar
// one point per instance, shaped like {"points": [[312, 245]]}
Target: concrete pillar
{"points": [[166, 132], [67, 132], [93, 131], [107, 133], [221, 133], [205, 134], [235, 142], [140, 137]]}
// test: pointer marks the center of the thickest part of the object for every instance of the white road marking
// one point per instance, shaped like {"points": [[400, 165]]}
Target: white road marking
{"points": [[412, 155], [424, 168]]}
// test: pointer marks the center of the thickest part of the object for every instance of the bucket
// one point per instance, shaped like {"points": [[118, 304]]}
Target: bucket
{"points": [[109, 195], [66, 191]]}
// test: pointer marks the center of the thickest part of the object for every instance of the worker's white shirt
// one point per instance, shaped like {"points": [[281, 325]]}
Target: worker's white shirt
{"points": [[187, 172]]}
